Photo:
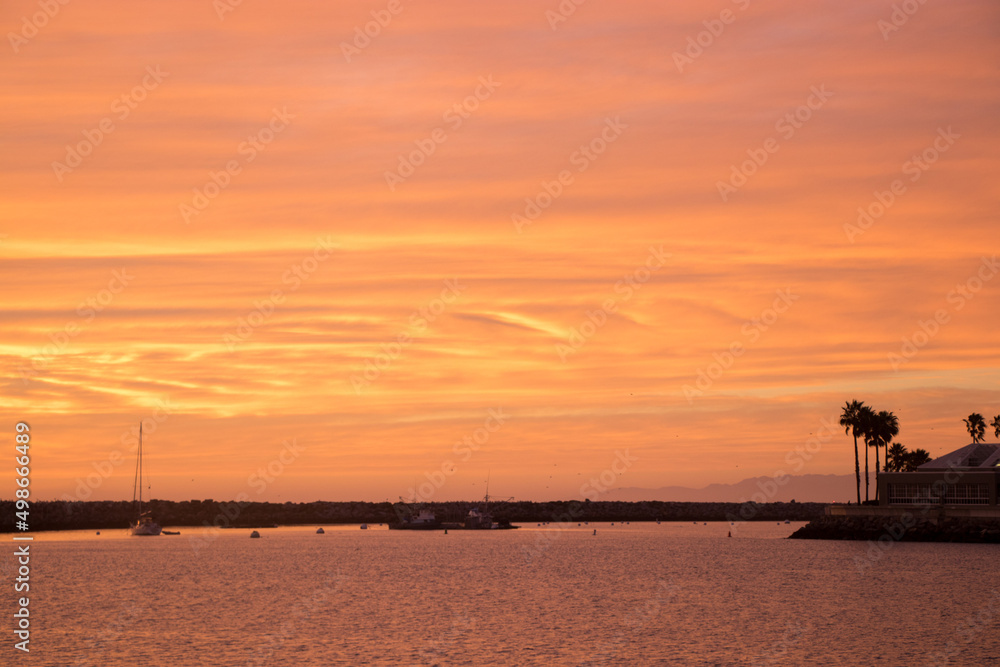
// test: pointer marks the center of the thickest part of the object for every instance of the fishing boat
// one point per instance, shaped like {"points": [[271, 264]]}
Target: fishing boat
{"points": [[144, 524], [424, 520], [480, 518]]}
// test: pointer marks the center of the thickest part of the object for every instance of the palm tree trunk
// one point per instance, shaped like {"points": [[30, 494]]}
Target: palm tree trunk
{"points": [[866, 472], [857, 468], [876, 473]]}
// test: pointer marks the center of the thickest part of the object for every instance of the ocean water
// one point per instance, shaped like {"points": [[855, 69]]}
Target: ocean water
{"points": [[635, 594]]}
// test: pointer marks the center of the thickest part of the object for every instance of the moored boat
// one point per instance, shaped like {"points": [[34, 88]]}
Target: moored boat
{"points": [[424, 520], [144, 524]]}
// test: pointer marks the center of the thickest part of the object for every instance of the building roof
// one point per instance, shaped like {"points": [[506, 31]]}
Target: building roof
{"points": [[977, 455]]}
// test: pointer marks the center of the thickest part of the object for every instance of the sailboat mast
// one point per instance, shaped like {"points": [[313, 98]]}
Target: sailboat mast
{"points": [[140, 468]]}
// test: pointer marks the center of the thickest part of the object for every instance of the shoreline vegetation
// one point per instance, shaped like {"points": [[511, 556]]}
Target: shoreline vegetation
{"points": [[109, 515]]}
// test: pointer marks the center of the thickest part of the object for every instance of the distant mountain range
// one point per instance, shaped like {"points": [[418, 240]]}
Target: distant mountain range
{"points": [[801, 488]]}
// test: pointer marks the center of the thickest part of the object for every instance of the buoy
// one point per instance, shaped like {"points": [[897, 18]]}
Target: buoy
{"points": [[730, 534], [255, 534], [98, 532], [595, 531], [445, 531]]}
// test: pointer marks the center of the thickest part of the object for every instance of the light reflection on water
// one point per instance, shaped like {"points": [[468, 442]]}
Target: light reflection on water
{"points": [[676, 593]]}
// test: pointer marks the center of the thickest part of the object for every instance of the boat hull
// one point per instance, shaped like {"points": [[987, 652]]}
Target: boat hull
{"points": [[145, 529], [415, 526]]}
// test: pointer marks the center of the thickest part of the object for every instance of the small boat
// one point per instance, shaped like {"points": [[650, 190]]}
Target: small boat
{"points": [[320, 531], [255, 534], [424, 520], [480, 518], [364, 526], [171, 532], [144, 524], [787, 521]]}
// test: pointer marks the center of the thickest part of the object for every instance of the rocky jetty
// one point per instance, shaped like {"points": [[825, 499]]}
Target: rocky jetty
{"points": [[78, 515], [905, 528]]}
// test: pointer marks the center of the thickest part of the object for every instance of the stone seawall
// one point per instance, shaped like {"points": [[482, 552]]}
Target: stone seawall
{"points": [[904, 528], [70, 515]]}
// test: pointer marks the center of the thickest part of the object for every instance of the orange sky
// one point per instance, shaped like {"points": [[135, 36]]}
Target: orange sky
{"points": [[252, 311]]}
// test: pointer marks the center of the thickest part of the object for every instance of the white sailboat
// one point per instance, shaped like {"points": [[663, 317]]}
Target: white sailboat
{"points": [[144, 524]]}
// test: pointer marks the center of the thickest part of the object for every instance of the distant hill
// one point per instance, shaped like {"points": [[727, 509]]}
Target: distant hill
{"points": [[801, 488]]}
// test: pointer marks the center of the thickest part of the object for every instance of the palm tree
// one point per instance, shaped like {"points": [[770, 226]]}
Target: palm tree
{"points": [[996, 426], [884, 427], [916, 458], [976, 426], [895, 457], [849, 420], [866, 418]]}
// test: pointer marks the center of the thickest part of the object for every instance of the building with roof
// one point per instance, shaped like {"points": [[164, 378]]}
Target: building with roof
{"points": [[959, 482]]}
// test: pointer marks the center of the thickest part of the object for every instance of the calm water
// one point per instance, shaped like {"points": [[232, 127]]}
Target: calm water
{"points": [[639, 594]]}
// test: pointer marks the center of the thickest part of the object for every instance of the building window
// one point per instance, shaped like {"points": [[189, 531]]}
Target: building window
{"points": [[911, 494], [968, 494]]}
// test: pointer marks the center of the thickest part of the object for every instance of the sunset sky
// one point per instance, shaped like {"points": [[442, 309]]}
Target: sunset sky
{"points": [[276, 239]]}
